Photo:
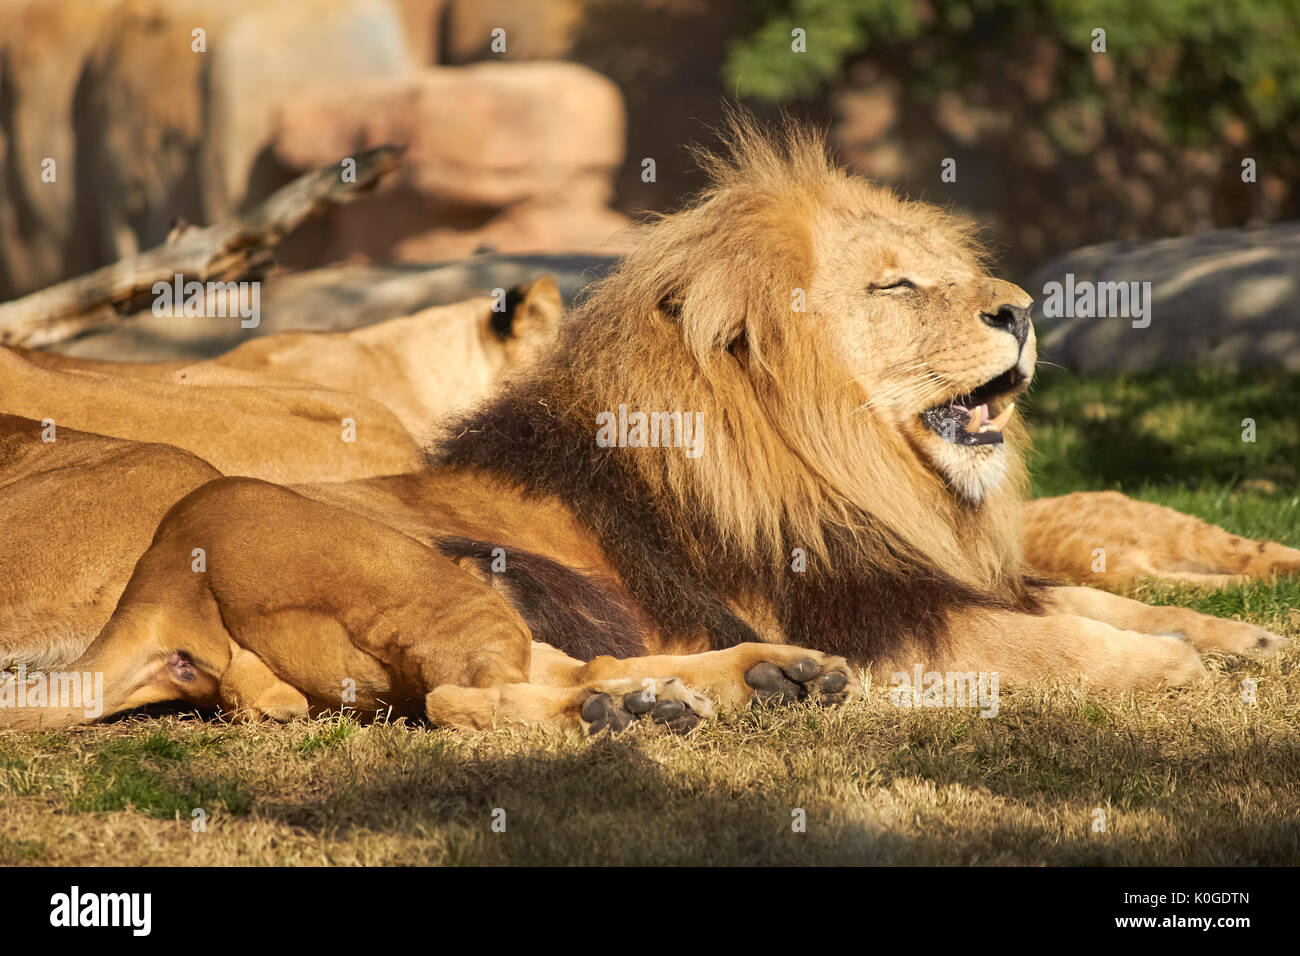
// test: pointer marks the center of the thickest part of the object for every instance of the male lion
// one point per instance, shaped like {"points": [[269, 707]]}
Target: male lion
{"points": [[849, 489]]}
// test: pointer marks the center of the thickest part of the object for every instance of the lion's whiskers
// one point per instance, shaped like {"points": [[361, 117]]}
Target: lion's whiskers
{"points": [[904, 393]]}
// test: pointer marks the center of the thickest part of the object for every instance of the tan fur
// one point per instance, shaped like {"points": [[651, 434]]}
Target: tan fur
{"points": [[237, 421], [420, 367], [79, 511], [1106, 539], [76, 514], [409, 626]]}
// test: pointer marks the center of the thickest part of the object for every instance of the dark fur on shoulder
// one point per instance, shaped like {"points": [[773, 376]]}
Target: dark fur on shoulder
{"points": [[562, 607], [528, 442]]}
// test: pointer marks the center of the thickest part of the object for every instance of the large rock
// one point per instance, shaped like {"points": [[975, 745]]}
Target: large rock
{"points": [[532, 31], [272, 53], [143, 128], [519, 157], [43, 47], [422, 27], [1229, 298]]}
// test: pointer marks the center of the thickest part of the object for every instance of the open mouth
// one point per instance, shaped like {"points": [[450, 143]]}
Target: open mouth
{"points": [[979, 416]]}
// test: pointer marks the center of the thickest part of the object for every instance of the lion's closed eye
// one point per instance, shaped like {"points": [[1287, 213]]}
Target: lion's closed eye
{"points": [[901, 283]]}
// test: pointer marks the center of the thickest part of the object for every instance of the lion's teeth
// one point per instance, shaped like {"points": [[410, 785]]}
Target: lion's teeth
{"points": [[976, 417], [1004, 416]]}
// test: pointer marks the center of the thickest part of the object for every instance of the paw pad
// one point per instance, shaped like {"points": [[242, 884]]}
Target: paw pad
{"points": [[618, 712], [798, 680]]}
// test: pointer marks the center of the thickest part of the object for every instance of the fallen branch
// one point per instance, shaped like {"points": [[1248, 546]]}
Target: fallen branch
{"points": [[228, 251]]}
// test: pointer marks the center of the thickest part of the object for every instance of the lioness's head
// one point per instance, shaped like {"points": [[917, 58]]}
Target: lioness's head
{"points": [[851, 362]]}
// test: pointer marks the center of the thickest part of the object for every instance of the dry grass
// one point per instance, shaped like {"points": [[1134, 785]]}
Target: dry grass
{"points": [[1197, 776]]}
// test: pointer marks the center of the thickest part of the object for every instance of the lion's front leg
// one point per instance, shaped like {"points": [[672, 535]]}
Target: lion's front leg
{"points": [[663, 691], [775, 673], [1107, 539], [614, 705], [1203, 632], [1022, 647]]}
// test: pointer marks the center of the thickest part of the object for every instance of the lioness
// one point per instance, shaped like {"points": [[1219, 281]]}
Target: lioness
{"points": [[420, 367], [1141, 540], [850, 493], [243, 423]]}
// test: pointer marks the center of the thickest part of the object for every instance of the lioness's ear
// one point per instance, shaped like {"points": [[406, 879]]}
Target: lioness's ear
{"points": [[532, 316], [539, 309]]}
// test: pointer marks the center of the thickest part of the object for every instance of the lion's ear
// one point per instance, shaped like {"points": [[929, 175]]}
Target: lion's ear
{"points": [[739, 347], [671, 305]]}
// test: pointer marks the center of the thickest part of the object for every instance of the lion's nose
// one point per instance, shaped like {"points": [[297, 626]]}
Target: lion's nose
{"points": [[1013, 318]]}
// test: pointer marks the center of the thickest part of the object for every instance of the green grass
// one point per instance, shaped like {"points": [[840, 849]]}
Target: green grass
{"points": [[1200, 775], [145, 772], [331, 734]]}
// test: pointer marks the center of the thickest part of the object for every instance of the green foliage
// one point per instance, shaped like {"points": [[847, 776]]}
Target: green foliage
{"points": [[1191, 64], [765, 66]]}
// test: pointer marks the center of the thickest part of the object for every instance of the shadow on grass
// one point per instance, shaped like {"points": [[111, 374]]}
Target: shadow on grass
{"points": [[609, 803], [612, 803]]}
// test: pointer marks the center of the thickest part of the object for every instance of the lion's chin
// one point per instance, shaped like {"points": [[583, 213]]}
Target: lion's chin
{"points": [[973, 472]]}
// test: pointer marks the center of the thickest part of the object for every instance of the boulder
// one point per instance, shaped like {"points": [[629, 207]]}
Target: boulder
{"points": [[269, 55], [532, 31], [516, 157], [43, 47], [144, 128], [1228, 298]]}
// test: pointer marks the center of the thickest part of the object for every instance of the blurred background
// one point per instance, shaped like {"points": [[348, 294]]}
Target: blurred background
{"points": [[529, 123]]}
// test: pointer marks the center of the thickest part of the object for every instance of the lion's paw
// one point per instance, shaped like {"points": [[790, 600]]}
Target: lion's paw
{"points": [[825, 679], [664, 705], [1264, 643], [1236, 638]]}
